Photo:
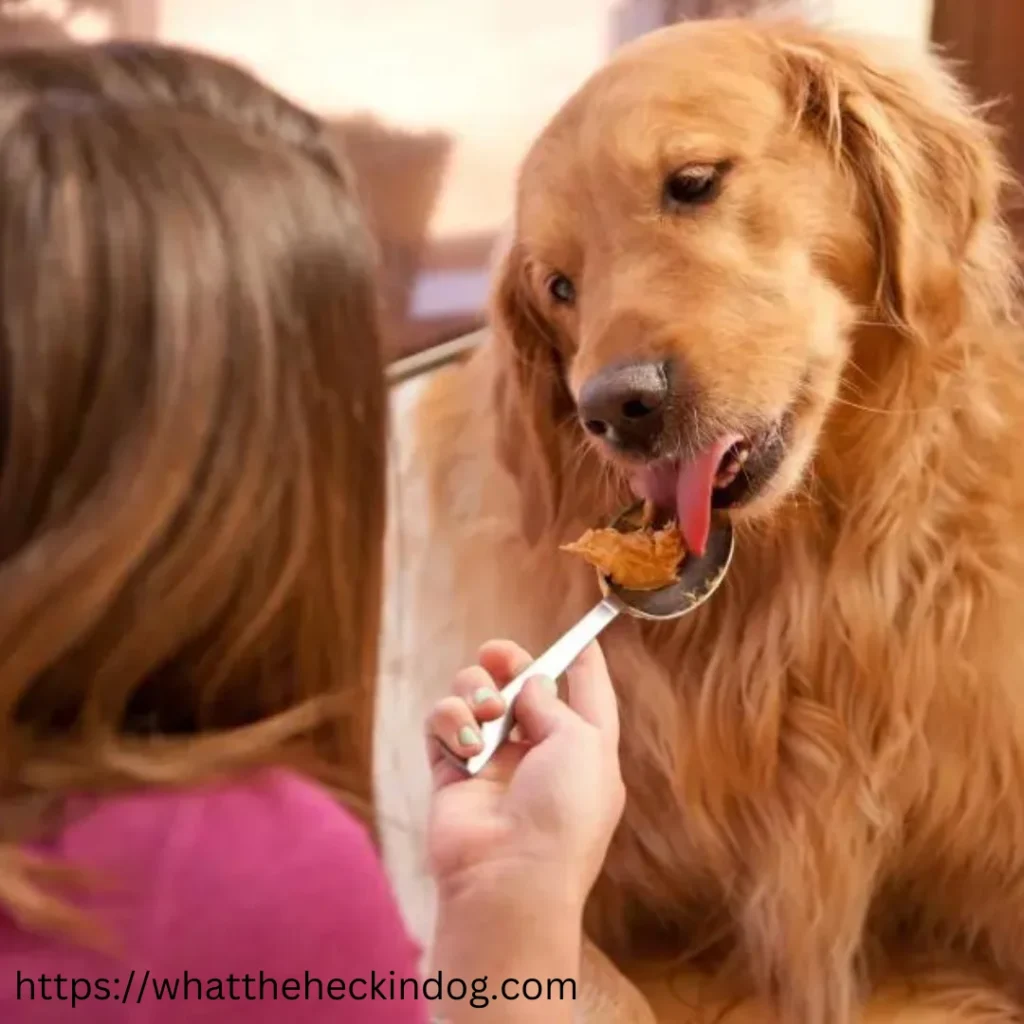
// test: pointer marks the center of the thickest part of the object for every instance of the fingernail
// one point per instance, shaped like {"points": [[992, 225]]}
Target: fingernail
{"points": [[484, 694], [549, 684], [468, 736]]}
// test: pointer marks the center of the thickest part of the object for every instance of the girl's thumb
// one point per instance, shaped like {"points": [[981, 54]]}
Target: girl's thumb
{"points": [[538, 711]]}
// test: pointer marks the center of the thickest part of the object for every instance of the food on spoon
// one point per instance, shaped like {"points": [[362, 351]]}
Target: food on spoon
{"points": [[641, 559]]}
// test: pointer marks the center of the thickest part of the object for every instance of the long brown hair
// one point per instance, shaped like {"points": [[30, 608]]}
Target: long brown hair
{"points": [[192, 408]]}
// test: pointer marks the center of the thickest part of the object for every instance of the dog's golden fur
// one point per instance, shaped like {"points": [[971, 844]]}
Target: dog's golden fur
{"points": [[825, 765]]}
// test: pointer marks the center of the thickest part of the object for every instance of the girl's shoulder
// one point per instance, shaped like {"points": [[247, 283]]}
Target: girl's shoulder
{"points": [[249, 843], [265, 879], [261, 823]]}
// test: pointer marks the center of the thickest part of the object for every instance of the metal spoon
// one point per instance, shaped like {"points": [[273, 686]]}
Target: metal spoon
{"points": [[699, 578]]}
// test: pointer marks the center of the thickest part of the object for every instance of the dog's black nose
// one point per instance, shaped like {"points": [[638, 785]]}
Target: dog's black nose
{"points": [[625, 405]]}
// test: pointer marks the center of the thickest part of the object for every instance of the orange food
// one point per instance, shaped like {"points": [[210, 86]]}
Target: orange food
{"points": [[642, 559]]}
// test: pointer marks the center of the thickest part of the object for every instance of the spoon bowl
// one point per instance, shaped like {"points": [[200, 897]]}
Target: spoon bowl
{"points": [[699, 577]]}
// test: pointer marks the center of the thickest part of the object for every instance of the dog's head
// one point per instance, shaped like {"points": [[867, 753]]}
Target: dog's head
{"points": [[700, 234]]}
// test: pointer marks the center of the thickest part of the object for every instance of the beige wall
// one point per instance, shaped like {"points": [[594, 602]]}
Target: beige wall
{"points": [[489, 72], [905, 19]]}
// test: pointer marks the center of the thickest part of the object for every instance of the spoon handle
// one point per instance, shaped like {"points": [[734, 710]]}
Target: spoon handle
{"points": [[552, 663]]}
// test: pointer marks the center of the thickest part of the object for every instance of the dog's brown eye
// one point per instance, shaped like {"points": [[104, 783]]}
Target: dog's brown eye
{"points": [[561, 289], [692, 186]]}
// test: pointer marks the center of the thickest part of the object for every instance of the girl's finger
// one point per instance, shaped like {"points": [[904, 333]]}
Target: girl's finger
{"points": [[504, 660], [452, 724], [540, 713], [589, 692], [445, 770], [478, 689]]}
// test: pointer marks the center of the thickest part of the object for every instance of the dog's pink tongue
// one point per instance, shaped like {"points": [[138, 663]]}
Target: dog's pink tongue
{"points": [[694, 484]]}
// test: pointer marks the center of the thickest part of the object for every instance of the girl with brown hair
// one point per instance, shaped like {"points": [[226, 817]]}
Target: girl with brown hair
{"points": [[192, 427]]}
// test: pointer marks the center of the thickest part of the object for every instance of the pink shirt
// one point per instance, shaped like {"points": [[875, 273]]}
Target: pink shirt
{"points": [[253, 902]]}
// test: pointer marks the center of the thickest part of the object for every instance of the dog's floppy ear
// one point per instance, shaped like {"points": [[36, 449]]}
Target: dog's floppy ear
{"points": [[926, 164], [532, 400]]}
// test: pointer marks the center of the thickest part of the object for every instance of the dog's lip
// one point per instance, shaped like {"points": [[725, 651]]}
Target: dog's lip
{"points": [[656, 481], [683, 488]]}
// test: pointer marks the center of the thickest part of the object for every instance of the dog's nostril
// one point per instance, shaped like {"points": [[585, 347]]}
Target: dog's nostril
{"points": [[635, 409], [625, 405]]}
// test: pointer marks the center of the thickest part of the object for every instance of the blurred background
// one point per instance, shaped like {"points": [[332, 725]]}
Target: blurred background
{"points": [[437, 100]]}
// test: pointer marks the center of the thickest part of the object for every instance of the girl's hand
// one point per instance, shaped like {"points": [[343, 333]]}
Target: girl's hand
{"points": [[539, 817]]}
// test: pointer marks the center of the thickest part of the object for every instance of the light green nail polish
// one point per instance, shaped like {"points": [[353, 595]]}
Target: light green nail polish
{"points": [[468, 737], [484, 694], [549, 684]]}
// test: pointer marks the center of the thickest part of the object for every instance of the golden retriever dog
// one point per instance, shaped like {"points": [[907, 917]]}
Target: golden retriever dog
{"points": [[766, 246]]}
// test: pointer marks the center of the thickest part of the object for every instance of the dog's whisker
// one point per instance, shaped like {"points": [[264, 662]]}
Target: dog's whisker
{"points": [[870, 323], [878, 410], [838, 399]]}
